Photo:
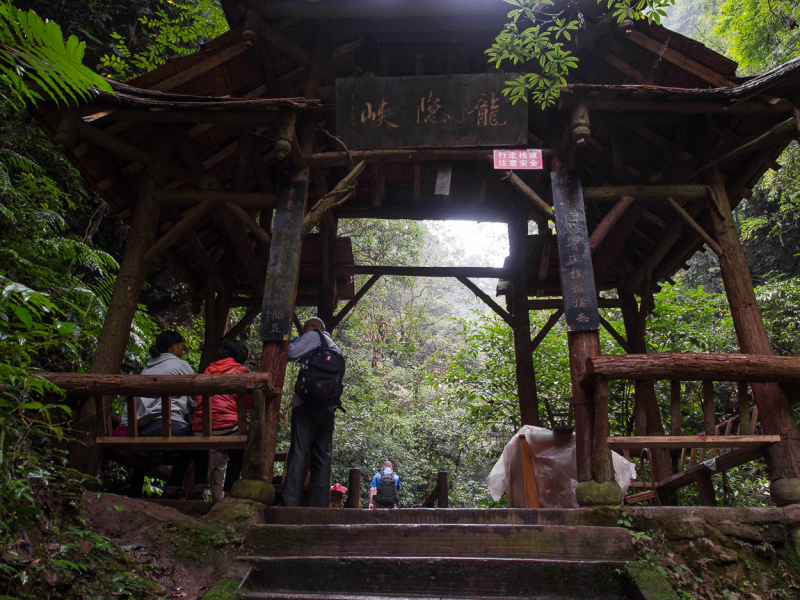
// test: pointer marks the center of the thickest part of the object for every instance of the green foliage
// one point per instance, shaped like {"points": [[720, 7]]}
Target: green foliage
{"points": [[170, 31], [33, 50], [537, 37]]}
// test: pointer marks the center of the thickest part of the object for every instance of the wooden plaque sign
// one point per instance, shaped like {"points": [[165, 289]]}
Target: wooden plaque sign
{"points": [[284, 258], [437, 111], [577, 276]]}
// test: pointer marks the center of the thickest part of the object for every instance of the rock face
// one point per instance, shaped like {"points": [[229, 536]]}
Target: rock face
{"points": [[591, 493], [785, 491]]}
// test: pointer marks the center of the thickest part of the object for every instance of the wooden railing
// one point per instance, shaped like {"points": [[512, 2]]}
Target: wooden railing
{"points": [[103, 387], [727, 451]]}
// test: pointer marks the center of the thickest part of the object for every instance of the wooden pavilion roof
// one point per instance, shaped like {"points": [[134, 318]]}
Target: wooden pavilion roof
{"points": [[662, 107]]}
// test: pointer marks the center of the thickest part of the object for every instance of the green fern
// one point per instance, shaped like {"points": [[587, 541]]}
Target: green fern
{"points": [[34, 60]]}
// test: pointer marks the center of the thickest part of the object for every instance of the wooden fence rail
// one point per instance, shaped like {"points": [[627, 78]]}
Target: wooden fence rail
{"points": [[695, 367]]}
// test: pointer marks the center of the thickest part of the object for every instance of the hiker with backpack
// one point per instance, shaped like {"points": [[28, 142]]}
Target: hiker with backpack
{"points": [[384, 487], [316, 397]]}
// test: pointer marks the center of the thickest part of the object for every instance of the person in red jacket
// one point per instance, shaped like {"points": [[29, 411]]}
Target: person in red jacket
{"points": [[225, 464]]}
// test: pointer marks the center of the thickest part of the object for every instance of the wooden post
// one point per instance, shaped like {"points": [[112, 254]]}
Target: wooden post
{"points": [[275, 354], [675, 407], [327, 291], [166, 417], [116, 329], [582, 345], [706, 488], [709, 417], [783, 458], [443, 488], [602, 465], [744, 408], [354, 485], [646, 406], [210, 343], [523, 351]]}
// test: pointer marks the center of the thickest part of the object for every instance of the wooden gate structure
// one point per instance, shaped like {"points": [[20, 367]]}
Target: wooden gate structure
{"points": [[657, 135]]}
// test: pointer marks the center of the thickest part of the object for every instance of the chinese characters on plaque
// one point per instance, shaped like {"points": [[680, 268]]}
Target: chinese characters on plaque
{"points": [[436, 111], [284, 256], [577, 276], [526, 158]]}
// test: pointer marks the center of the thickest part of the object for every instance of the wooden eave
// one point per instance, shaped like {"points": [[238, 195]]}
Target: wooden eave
{"points": [[648, 95]]}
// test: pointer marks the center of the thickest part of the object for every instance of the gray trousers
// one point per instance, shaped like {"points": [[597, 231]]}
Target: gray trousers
{"points": [[312, 430]]}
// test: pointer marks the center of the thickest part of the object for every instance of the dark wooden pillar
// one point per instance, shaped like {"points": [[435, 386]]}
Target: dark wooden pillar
{"points": [[327, 292], [646, 402], [116, 329], [520, 315], [275, 354], [783, 458]]}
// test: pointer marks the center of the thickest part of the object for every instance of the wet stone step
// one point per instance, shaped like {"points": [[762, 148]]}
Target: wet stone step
{"points": [[479, 541], [423, 578], [433, 516]]}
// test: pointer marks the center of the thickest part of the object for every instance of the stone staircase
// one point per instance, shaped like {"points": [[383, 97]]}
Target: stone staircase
{"points": [[314, 554]]}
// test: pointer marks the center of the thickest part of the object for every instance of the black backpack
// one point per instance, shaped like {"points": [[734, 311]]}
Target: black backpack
{"points": [[320, 378], [387, 490]]}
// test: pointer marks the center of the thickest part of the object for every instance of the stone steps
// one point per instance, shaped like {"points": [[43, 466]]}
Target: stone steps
{"points": [[431, 516], [563, 543], [362, 578]]}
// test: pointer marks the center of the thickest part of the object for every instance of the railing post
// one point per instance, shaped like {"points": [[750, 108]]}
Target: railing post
{"points": [[166, 417], [441, 485], [354, 485], [744, 408], [206, 415], [133, 425]]}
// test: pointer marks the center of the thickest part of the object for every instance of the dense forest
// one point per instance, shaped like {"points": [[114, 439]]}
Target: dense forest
{"points": [[430, 382]]}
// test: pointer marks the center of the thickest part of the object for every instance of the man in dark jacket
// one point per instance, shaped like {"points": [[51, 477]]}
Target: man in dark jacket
{"points": [[312, 430]]}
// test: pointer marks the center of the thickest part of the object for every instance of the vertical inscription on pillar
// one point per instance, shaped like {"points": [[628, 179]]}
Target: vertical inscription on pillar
{"points": [[577, 277], [284, 256]]}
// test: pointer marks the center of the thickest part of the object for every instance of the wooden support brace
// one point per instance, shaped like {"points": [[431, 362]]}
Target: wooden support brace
{"points": [[248, 318], [695, 227], [443, 490], [546, 329], [133, 422], [176, 232], [489, 302], [249, 222], [609, 221], [615, 334], [352, 303], [539, 205]]}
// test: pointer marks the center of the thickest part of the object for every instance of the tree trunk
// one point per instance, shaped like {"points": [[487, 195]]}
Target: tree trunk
{"points": [[116, 329], [783, 459]]}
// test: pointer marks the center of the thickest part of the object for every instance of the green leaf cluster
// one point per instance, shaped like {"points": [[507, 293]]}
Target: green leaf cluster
{"points": [[35, 60], [537, 39]]}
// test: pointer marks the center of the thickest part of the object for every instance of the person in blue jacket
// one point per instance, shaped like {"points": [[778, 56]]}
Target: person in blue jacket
{"points": [[384, 487]]}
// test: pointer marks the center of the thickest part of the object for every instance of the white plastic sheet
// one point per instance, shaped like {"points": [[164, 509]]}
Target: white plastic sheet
{"points": [[554, 465]]}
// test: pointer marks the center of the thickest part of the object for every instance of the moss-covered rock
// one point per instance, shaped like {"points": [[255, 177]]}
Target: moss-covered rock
{"points": [[226, 589], [591, 493], [648, 583], [785, 491], [252, 489], [238, 511]]}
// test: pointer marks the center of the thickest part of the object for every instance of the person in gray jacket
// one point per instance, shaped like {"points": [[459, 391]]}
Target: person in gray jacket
{"points": [[312, 430], [165, 359]]}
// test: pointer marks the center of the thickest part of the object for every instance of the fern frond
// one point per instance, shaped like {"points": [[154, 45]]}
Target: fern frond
{"points": [[35, 49]]}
